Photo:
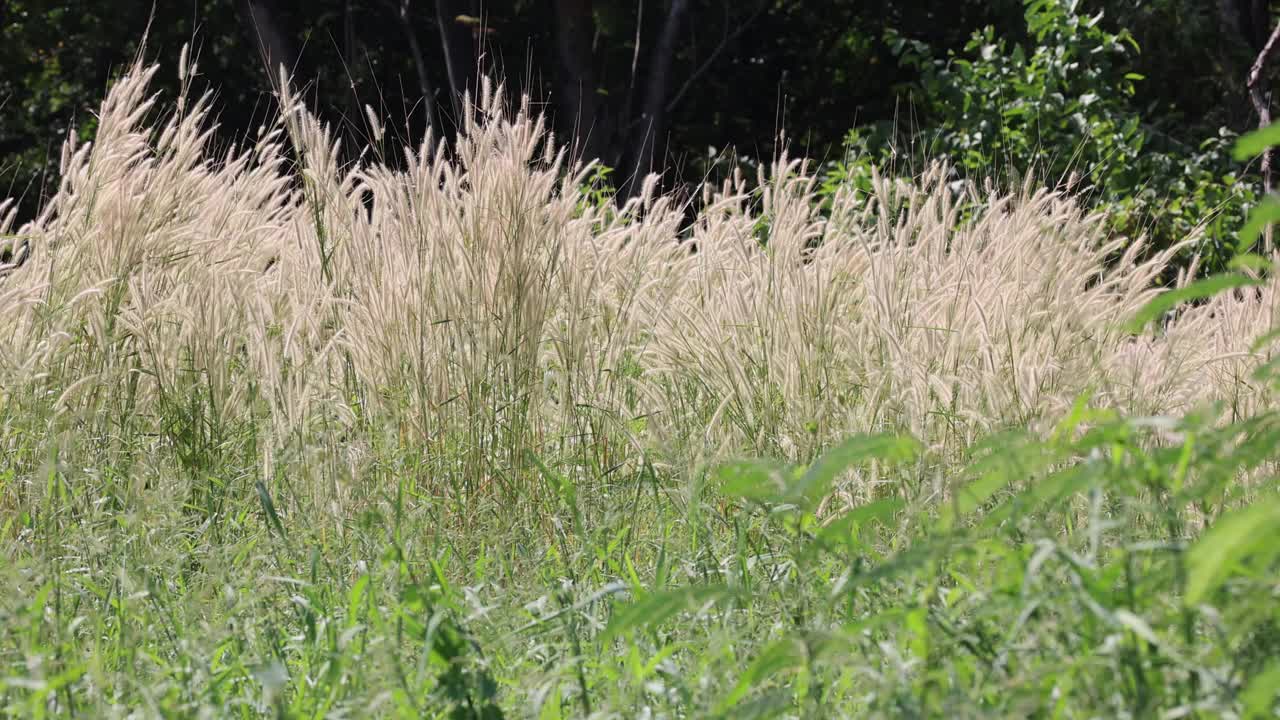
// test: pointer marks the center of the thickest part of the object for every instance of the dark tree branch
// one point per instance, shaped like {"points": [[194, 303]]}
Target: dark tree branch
{"points": [[351, 49], [459, 57], [625, 117], [715, 54], [1255, 72], [401, 10], [1261, 99], [576, 100], [654, 111]]}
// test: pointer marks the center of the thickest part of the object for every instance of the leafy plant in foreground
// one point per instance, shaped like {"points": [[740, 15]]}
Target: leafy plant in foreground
{"points": [[1073, 573], [1122, 566]]}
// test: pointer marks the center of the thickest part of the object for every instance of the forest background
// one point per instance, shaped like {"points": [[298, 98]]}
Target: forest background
{"points": [[1139, 100]]}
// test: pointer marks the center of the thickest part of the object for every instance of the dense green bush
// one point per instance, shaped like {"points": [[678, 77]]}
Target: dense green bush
{"points": [[1066, 110], [1068, 577]]}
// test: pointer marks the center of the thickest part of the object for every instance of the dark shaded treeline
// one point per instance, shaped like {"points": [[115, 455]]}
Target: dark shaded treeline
{"points": [[639, 84]]}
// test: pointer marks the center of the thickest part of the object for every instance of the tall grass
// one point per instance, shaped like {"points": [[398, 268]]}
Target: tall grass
{"points": [[478, 306], [284, 432]]}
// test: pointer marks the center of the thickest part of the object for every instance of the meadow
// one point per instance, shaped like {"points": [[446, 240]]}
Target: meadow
{"points": [[438, 433]]}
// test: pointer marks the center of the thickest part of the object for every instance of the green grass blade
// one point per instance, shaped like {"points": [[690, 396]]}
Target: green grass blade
{"points": [[816, 482], [656, 608], [1197, 290], [1251, 145], [1232, 538]]}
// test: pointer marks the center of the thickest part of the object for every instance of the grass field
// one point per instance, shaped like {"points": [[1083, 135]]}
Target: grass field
{"points": [[443, 437]]}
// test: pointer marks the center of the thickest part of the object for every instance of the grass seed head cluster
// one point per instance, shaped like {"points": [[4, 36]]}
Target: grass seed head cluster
{"points": [[472, 304]]}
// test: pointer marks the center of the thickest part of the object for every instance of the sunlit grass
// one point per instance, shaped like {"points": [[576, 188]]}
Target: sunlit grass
{"points": [[472, 450]]}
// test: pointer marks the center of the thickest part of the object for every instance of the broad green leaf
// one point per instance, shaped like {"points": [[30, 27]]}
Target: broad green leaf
{"points": [[264, 496], [893, 615], [970, 497], [655, 608], [917, 625], [916, 555], [1261, 216], [1259, 696], [759, 480], [838, 530], [1136, 625], [355, 597], [768, 705], [563, 487], [1250, 261], [1055, 488], [785, 655], [1252, 144], [1264, 340], [1079, 413], [1197, 290], [1268, 371], [1232, 538], [817, 480], [1013, 456]]}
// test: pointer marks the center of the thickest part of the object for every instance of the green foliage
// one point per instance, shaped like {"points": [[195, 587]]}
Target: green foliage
{"points": [[1071, 574], [1198, 290], [597, 191], [1065, 109], [999, 105]]}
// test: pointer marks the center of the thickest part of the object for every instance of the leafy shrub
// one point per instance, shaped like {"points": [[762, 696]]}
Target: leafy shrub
{"points": [[1116, 568], [1066, 110]]}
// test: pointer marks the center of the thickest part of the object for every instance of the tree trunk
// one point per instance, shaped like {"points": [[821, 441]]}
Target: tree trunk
{"points": [[351, 51], [1251, 20], [578, 116], [458, 41], [405, 21], [651, 130], [1248, 19], [273, 45]]}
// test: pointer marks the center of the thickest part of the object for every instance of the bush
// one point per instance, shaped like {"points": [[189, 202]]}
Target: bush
{"points": [[1065, 110]]}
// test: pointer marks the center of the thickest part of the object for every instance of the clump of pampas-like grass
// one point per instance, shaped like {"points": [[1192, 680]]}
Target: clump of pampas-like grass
{"points": [[480, 310]]}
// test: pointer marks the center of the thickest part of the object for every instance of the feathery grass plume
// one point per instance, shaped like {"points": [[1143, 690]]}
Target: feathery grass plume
{"points": [[455, 274], [477, 310], [894, 314], [139, 256], [146, 299], [1205, 352]]}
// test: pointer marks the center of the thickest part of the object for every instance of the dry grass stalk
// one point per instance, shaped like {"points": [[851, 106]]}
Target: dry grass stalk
{"points": [[479, 309]]}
